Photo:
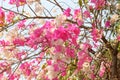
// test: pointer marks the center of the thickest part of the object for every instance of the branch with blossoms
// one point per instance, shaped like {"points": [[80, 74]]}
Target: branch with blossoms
{"points": [[59, 42]]}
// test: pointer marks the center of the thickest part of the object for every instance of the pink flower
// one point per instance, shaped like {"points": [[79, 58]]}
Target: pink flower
{"points": [[102, 70], [56, 67], [19, 55], [61, 33], [80, 22], [1, 76], [49, 62], [25, 68], [73, 28], [97, 34], [76, 31], [63, 73], [76, 13], [58, 48], [18, 2], [70, 52], [92, 76], [99, 4], [78, 16], [107, 24], [10, 16], [27, 72], [67, 12], [12, 1], [118, 38], [2, 17], [4, 43], [87, 14], [19, 42], [90, 7], [21, 24], [14, 77], [80, 63], [37, 32], [40, 57]]}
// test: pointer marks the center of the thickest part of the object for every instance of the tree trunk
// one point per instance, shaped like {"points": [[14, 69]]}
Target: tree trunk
{"points": [[114, 66]]}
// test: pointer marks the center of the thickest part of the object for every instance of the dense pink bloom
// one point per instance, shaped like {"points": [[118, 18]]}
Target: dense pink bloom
{"points": [[78, 16], [40, 57], [87, 14], [1, 76], [49, 62], [56, 67], [4, 43], [37, 32], [55, 79], [12, 1], [73, 29], [102, 69], [19, 42], [76, 31], [80, 22], [92, 76], [63, 73], [27, 72], [18, 2], [62, 44], [21, 24], [2, 17], [14, 77], [77, 13], [107, 24], [19, 55], [70, 52], [59, 48], [25, 68], [96, 34], [80, 64], [67, 12], [62, 33], [10, 16], [99, 4]]}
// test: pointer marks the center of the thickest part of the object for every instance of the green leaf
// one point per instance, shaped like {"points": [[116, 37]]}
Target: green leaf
{"points": [[80, 2]]}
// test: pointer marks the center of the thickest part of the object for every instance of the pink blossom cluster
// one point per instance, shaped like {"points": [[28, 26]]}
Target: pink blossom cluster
{"points": [[99, 4], [2, 17], [18, 2], [57, 39]]}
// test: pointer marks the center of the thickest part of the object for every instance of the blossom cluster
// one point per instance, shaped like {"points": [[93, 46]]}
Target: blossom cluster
{"points": [[64, 41]]}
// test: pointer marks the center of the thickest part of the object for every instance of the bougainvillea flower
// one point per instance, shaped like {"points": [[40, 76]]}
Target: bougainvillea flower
{"points": [[2, 17]]}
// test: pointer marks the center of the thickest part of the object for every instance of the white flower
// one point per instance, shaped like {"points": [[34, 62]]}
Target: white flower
{"points": [[114, 18], [86, 67], [60, 19], [40, 75], [30, 2], [51, 73], [38, 8]]}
